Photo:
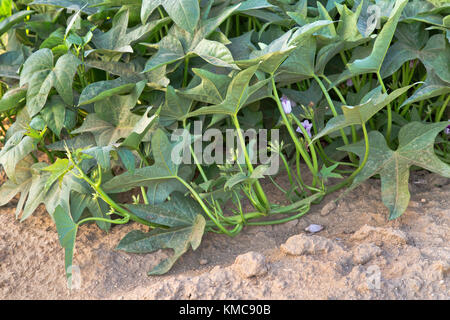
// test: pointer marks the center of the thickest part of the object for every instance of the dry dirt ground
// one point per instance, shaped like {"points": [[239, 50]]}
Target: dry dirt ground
{"points": [[358, 255]]}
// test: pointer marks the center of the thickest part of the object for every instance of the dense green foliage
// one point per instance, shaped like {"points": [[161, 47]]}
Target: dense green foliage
{"points": [[93, 89]]}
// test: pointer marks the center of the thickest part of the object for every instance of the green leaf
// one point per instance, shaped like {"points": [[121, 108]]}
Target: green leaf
{"points": [[301, 60], [413, 44], [57, 194], [327, 173], [67, 233], [140, 130], [5, 8], [235, 179], [312, 95], [81, 199], [57, 115], [237, 94], [179, 44], [55, 39], [16, 148], [119, 38], [84, 5], [254, 4], [432, 87], [113, 119], [185, 13], [103, 89], [416, 148], [162, 170], [58, 169], [11, 61], [372, 63], [423, 11], [180, 211], [188, 233], [215, 53], [160, 190], [17, 17], [40, 75], [211, 89], [175, 107], [241, 177], [12, 98], [347, 37], [271, 56], [21, 185], [373, 102]]}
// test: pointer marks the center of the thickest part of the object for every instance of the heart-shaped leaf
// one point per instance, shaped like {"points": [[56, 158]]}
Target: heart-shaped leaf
{"points": [[57, 115], [16, 148], [185, 13], [40, 75]]}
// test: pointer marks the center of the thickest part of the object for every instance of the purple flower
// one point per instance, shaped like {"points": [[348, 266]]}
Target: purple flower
{"points": [[411, 64], [349, 83], [447, 130], [307, 125], [286, 103]]}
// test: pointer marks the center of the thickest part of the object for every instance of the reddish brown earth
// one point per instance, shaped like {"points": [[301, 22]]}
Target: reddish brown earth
{"points": [[359, 254]]}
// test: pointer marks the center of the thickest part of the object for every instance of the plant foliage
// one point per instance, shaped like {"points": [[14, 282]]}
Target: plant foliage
{"points": [[93, 91]]}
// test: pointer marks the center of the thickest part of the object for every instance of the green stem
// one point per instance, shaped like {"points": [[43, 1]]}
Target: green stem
{"points": [[124, 220], [309, 142], [259, 190], [227, 27], [279, 221], [294, 137], [186, 71], [389, 110], [204, 207], [119, 210], [331, 104], [288, 170], [441, 110], [197, 163], [361, 166], [162, 17]]}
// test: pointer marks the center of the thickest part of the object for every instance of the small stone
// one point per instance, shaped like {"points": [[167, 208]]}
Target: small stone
{"points": [[330, 206], [291, 224], [423, 200], [302, 244], [379, 236], [203, 262], [314, 228], [365, 252], [414, 204], [251, 264]]}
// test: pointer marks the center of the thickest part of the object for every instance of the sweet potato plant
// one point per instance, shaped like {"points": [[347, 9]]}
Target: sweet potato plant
{"points": [[92, 92]]}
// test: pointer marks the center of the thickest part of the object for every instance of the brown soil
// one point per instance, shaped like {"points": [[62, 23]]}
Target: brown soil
{"points": [[358, 255]]}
